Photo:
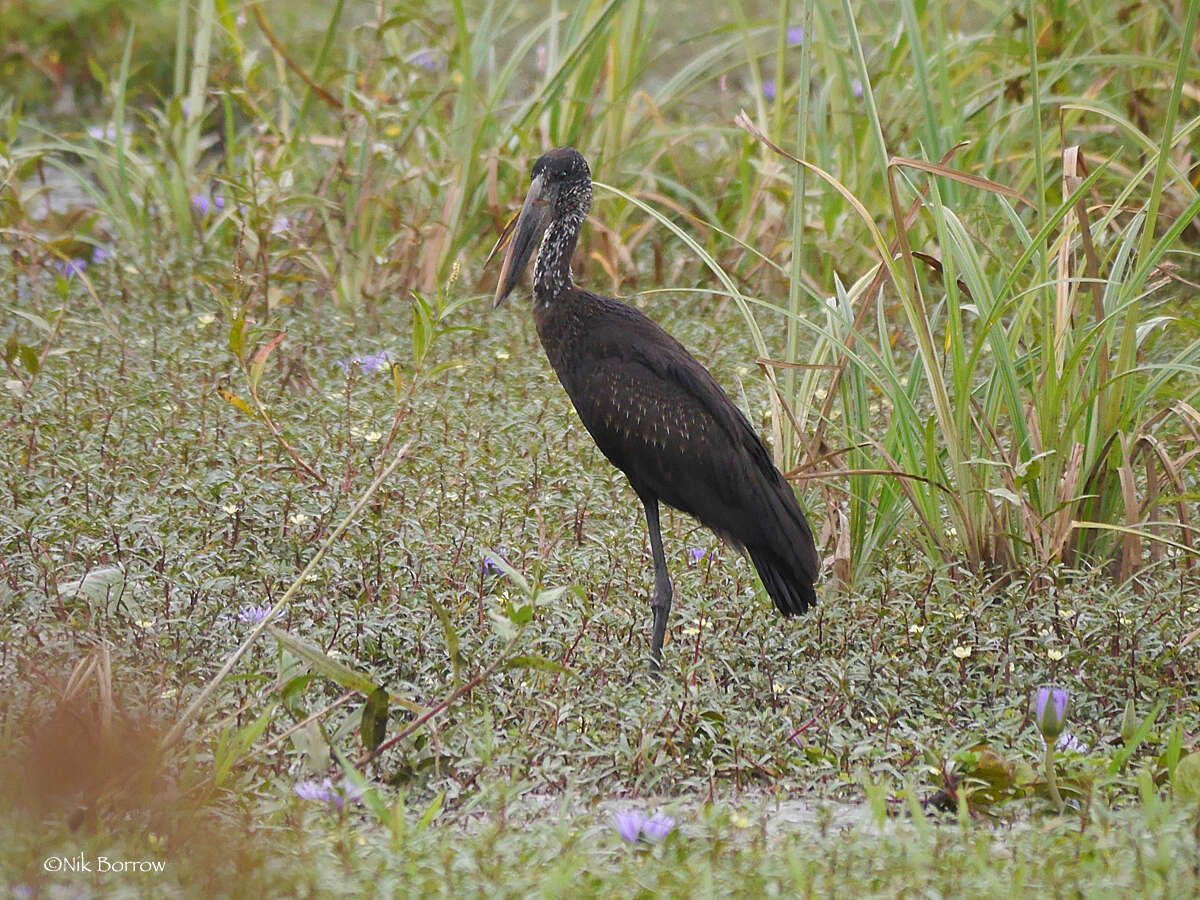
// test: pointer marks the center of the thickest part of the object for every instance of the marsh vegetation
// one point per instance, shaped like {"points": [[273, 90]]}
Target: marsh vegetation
{"points": [[312, 582]]}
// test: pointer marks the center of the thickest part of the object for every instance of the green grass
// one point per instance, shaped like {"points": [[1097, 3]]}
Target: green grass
{"points": [[180, 443]]}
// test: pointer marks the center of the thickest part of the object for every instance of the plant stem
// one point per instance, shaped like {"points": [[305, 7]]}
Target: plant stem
{"points": [[1051, 784]]}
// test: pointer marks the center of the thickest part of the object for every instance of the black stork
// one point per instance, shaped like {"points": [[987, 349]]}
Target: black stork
{"points": [[653, 410]]}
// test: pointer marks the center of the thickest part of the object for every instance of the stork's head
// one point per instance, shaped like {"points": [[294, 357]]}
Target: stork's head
{"points": [[560, 190]]}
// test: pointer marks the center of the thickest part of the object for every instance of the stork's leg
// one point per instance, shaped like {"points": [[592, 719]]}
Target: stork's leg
{"points": [[660, 600]]}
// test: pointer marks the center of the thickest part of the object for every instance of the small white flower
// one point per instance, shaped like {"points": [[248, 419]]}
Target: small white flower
{"points": [[961, 651], [1054, 654], [298, 518], [1068, 741]]}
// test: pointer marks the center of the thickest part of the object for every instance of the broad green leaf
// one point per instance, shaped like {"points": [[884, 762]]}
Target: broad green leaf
{"points": [[374, 719], [1186, 783], [323, 663]]}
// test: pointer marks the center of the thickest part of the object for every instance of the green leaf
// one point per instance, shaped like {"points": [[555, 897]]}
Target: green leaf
{"points": [[323, 663], [516, 577], [32, 318], [295, 686], [451, 639], [374, 719], [102, 585], [237, 336], [365, 788], [1006, 494], [539, 662], [236, 747], [503, 625], [520, 615], [549, 596], [1123, 755], [260, 359], [422, 327], [310, 741], [29, 359], [1186, 783], [432, 810]]}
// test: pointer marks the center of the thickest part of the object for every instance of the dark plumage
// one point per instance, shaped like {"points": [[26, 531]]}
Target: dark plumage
{"points": [[653, 410]]}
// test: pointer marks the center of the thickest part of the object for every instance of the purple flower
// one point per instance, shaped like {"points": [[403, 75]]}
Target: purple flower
{"points": [[768, 85], [280, 225], [203, 203], [629, 823], [71, 267], [252, 615], [489, 562], [348, 792], [695, 554], [315, 790], [795, 35], [429, 59], [633, 825], [657, 827], [101, 254], [1050, 711], [368, 362], [856, 87], [327, 792]]}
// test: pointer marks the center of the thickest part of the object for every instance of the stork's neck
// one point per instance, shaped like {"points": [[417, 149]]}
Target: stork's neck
{"points": [[552, 268]]}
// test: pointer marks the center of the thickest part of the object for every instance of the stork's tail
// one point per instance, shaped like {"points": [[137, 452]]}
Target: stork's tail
{"points": [[789, 586], [785, 553]]}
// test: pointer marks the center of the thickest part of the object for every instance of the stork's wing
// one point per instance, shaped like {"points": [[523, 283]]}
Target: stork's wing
{"points": [[660, 417]]}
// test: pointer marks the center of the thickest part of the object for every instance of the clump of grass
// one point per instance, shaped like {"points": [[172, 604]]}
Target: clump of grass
{"points": [[1008, 405]]}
